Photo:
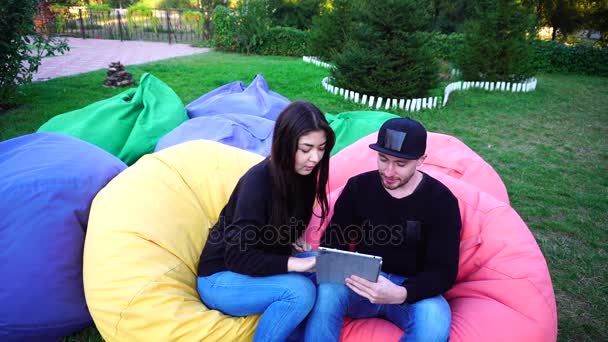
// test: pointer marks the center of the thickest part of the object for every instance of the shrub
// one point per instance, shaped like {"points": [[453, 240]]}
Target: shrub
{"points": [[140, 14], [60, 15], [446, 46], [554, 56], [100, 8], [284, 41], [19, 43], [195, 20], [496, 47], [388, 54], [252, 21], [224, 29]]}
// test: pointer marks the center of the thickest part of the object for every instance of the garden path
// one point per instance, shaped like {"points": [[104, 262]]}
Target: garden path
{"points": [[93, 54]]}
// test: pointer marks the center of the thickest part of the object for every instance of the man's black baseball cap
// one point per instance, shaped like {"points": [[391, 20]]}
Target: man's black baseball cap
{"points": [[402, 138]]}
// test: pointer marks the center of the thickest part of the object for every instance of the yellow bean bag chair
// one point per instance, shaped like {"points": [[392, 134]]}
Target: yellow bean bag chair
{"points": [[146, 231]]}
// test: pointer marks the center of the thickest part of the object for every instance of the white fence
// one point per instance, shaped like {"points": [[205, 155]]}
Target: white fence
{"points": [[412, 105], [526, 86]]}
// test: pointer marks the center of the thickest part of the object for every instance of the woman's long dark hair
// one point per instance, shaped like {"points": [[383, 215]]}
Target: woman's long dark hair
{"points": [[297, 119]]}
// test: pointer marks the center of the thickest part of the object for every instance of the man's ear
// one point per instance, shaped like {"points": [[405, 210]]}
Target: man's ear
{"points": [[420, 160]]}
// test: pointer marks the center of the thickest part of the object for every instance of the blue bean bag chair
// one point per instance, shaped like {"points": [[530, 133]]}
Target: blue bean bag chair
{"points": [[256, 100], [48, 183], [247, 132]]}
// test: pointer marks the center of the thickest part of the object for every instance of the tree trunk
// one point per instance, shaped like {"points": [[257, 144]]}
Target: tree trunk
{"points": [[554, 31]]}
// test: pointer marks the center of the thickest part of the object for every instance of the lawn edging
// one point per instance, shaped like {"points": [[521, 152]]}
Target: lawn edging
{"points": [[417, 104]]}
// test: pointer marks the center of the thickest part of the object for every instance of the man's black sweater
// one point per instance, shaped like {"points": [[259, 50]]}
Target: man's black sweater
{"points": [[417, 236], [243, 241]]}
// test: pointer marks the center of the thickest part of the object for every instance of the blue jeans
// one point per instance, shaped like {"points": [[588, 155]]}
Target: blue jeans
{"points": [[283, 300], [425, 320]]}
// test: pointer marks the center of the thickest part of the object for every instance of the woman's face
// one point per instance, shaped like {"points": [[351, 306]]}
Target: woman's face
{"points": [[311, 148]]}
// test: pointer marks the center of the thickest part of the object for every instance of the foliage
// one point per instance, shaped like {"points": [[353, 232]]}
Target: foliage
{"points": [[138, 14], [100, 8], [252, 21], [568, 16], [331, 30], [446, 46], [77, 2], [594, 18], [284, 41], [496, 47], [224, 29], [291, 13], [21, 47], [555, 56], [60, 15], [169, 3], [449, 15], [195, 20], [559, 14], [120, 3], [103, 10], [388, 55], [58, 7]]}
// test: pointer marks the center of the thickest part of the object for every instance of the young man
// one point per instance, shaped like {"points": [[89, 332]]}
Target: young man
{"points": [[409, 219]]}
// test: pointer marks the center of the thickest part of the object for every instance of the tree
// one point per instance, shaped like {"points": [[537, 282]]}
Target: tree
{"points": [[331, 29], [561, 15], [594, 16], [497, 43], [290, 13], [449, 15], [388, 54], [22, 47]]}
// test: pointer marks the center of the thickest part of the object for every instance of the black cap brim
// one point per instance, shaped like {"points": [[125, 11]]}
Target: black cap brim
{"points": [[392, 152]]}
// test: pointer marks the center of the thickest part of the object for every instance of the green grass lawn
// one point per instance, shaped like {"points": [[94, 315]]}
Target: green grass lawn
{"points": [[550, 147]]}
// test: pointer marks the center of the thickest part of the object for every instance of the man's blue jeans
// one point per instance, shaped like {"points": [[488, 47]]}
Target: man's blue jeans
{"points": [[283, 300], [425, 320]]}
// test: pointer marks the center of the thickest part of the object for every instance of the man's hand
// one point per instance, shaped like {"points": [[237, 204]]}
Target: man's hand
{"points": [[301, 246], [382, 292]]}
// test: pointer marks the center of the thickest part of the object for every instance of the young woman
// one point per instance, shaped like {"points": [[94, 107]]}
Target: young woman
{"points": [[247, 266]]}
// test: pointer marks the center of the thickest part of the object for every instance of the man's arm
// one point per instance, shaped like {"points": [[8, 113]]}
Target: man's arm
{"points": [[442, 252]]}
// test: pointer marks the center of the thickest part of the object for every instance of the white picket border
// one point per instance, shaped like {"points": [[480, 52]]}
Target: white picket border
{"points": [[526, 86], [411, 105], [317, 62]]}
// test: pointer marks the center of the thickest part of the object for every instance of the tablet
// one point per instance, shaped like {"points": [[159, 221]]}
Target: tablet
{"points": [[334, 265]]}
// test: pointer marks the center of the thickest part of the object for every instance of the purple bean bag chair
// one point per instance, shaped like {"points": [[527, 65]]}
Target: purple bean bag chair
{"points": [[48, 182], [247, 132], [256, 100]]}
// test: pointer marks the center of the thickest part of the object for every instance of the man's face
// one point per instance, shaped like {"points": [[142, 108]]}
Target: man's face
{"points": [[396, 172]]}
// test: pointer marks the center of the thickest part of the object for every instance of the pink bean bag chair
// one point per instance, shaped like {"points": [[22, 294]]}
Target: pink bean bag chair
{"points": [[503, 290], [445, 154]]}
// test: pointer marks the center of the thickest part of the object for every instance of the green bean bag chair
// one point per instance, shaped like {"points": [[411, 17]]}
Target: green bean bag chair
{"points": [[127, 125], [352, 126]]}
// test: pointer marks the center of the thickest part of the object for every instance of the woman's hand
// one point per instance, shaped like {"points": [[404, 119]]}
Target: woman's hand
{"points": [[308, 264], [301, 246]]}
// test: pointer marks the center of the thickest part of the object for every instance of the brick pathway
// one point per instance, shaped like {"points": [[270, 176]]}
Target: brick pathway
{"points": [[94, 54]]}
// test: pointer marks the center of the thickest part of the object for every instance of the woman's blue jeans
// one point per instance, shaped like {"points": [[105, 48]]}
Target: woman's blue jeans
{"points": [[283, 300]]}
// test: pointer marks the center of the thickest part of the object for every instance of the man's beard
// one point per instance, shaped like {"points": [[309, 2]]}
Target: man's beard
{"points": [[396, 185]]}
